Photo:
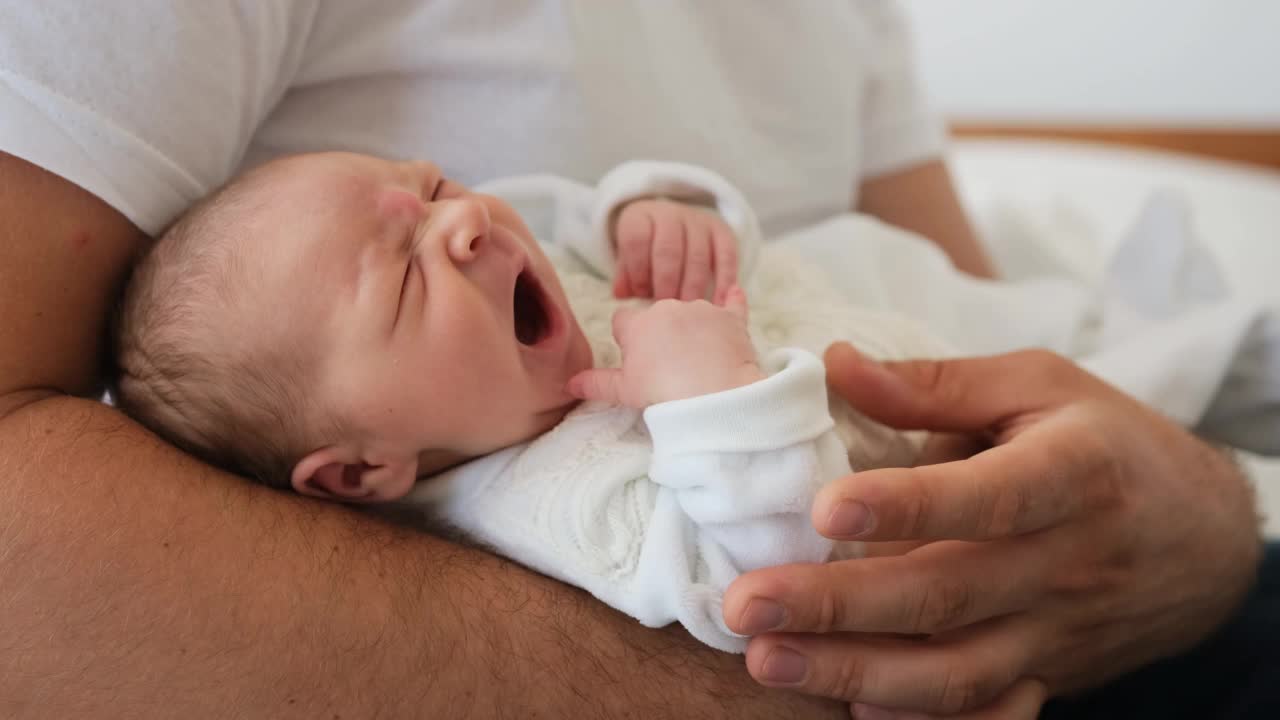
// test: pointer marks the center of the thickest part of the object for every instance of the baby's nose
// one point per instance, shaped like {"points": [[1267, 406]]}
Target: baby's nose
{"points": [[466, 226]]}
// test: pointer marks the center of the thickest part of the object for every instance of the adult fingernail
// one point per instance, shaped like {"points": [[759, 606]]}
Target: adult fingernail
{"points": [[784, 666], [850, 519], [871, 712], [761, 615]]}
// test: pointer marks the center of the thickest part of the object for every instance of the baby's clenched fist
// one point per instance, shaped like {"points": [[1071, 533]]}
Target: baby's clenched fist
{"points": [[667, 249], [674, 350]]}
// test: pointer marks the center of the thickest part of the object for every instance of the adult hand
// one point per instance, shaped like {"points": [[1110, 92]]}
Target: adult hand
{"points": [[1093, 537]]}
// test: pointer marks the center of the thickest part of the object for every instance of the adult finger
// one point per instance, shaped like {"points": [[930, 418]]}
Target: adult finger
{"points": [[945, 675], [635, 241], [1020, 702], [724, 259], [957, 395], [942, 447], [932, 589], [1030, 483], [667, 254], [697, 261]]}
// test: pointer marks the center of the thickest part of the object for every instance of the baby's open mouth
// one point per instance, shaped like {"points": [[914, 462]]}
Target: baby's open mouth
{"points": [[532, 322]]}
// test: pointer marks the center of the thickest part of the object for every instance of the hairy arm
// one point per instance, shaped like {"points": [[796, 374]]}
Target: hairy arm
{"points": [[923, 199], [138, 581]]}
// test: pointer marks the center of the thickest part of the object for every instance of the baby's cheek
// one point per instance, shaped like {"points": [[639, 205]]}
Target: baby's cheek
{"points": [[400, 204]]}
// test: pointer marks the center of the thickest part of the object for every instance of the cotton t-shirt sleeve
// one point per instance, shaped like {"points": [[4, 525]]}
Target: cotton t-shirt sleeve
{"points": [[899, 129], [148, 104]]}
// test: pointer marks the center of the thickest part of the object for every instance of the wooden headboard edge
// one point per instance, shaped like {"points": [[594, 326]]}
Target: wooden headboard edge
{"points": [[1255, 146]]}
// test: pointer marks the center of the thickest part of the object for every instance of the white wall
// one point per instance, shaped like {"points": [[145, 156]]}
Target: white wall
{"points": [[1172, 61]]}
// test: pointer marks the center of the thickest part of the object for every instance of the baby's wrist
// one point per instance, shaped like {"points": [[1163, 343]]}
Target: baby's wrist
{"points": [[688, 387]]}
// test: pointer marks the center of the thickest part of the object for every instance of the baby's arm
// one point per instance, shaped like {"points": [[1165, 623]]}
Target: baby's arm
{"points": [[738, 471], [739, 452]]}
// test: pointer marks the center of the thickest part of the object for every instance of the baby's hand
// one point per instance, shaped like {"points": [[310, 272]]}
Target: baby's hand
{"points": [[667, 249], [674, 350]]}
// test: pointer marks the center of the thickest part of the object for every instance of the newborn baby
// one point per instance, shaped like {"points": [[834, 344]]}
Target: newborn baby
{"points": [[369, 331]]}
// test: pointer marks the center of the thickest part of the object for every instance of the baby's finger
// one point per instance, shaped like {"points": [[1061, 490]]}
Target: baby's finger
{"points": [[635, 240], [735, 301], [601, 384], [724, 258], [622, 319], [668, 254], [622, 282], [697, 261]]}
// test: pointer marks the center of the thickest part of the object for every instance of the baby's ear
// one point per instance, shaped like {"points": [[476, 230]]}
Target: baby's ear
{"points": [[339, 473]]}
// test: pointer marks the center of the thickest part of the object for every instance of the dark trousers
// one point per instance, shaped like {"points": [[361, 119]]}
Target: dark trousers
{"points": [[1235, 674]]}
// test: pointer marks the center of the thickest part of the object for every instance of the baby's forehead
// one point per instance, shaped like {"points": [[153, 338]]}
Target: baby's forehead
{"points": [[319, 178], [313, 214], [341, 170]]}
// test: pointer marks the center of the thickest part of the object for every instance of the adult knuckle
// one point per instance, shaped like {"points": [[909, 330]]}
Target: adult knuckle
{"points": [[1050, 367], [913, 510], [928, 375], [959, 690], [832, 609], [1009, 510], [848, 678], [941, 381], [945, 603], [1092, 470], [1106, 485]]}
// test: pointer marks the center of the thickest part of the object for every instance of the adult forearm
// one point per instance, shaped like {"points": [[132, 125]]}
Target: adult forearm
{"points": [[924, 200], [139, 582]]}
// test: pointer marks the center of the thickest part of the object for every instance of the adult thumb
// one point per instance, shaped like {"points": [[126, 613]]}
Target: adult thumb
{"points": [[953, 395]]}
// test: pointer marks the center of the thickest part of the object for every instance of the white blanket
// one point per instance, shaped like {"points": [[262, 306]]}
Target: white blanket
{"points": [[1162, 325]]}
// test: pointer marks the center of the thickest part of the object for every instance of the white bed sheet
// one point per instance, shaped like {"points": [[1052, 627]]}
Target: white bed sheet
{"points": [[1046, 207]]}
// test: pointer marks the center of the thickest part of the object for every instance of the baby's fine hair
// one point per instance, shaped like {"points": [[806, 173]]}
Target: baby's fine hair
{"points": [[185, 369]]}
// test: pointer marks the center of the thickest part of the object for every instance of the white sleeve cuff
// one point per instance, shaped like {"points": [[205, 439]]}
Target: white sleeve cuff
{"points": [[643, 179], [773, 413]]}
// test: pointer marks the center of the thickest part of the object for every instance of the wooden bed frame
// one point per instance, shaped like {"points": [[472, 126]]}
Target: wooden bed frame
{"points": [[1259, 146]]}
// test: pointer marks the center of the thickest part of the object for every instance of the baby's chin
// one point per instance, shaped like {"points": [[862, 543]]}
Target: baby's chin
{"points": [[546, 421]]}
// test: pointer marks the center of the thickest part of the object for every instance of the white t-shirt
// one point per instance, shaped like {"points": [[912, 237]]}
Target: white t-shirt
{"points": [[151, 104]]}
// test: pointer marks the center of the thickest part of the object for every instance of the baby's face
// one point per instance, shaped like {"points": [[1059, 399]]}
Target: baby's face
{"points": [[441, 328]]}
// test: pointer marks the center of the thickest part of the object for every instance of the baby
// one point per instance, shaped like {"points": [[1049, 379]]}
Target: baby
{"points": [[369, 331]]}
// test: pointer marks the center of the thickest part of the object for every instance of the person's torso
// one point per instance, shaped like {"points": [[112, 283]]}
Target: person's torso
{"points": [[767, 94]]}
